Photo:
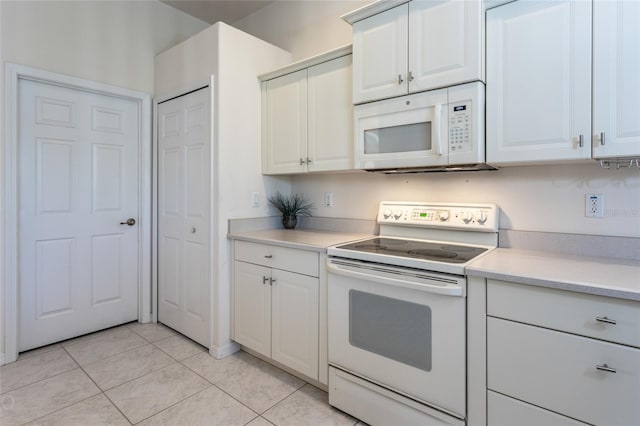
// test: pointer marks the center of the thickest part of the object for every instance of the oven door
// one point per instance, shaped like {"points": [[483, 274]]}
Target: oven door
{"points": [[400, 328], [410, 131]]}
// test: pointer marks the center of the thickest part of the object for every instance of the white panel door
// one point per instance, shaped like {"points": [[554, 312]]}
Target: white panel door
{"points": [[252, 307], [330, 116], [445, 43], [294, 303], [380, 55], [616, 78], [184, 211], [286, 123], [78, 162], [538, 82]]}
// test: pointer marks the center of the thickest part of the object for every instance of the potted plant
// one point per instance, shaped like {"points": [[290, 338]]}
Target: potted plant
{"points": [[291, 206]]}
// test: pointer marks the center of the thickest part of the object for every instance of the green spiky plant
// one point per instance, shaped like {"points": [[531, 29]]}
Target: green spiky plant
{"points": [[291, 206]]}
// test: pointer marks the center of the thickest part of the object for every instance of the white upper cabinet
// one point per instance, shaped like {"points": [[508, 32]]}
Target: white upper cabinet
{"points": [[307, 118], [445, 43], [380, 55], [538, 82], [616, 78], [330, 116], [418, 46], [543, 103], [285, 123]]}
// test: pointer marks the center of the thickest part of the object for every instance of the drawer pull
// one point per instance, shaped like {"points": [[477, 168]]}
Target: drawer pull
{"points": [[268, 256], [264, 280], [606, 320], [605, 367]]}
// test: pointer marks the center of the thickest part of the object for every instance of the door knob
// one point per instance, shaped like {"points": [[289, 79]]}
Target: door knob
{"points": [[131, 221]]}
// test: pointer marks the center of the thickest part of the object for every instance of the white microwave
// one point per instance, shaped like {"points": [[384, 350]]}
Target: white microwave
{"points": [[438, 130]]}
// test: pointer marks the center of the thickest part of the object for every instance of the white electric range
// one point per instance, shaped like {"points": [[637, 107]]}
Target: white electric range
{"points": [[397, 312]]}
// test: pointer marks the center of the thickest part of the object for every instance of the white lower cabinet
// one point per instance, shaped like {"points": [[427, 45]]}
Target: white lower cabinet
{"points": [[276, 311], [563, 356]]}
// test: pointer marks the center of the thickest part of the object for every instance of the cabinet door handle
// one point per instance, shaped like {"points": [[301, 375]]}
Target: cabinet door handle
{"points": [[271, 281], [605, 367], [580, 140], [400, 80], [602, 141], [301, 161], [606, 320], [264, 280], [308, 160], [268, 256], [410, 76]]}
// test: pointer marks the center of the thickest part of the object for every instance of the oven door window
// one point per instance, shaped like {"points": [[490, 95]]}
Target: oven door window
{"points": [[392, 328], [404, 138]]}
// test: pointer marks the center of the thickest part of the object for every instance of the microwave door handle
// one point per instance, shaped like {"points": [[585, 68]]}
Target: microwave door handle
{"points": [[435, 131]]}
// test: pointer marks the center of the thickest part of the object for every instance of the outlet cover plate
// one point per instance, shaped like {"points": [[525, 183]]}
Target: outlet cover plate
{"points": [[594, 205]]}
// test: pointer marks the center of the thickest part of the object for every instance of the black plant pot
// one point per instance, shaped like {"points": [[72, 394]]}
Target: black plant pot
{"points": [[289, 222]]}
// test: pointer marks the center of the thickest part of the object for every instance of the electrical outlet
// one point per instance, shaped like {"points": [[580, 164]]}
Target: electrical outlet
{"points": [[594, 205], [328, 199], [255, 199]]}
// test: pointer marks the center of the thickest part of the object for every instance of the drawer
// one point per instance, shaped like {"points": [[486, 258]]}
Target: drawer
{"points": [[557, 371], [606, 318], [288, 259], [505, 411], [379, 406]]}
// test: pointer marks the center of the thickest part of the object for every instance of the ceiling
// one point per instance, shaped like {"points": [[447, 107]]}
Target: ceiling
{"points": [[212, 11]]}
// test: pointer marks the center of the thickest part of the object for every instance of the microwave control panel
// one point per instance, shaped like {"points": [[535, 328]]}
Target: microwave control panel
{"points": [[460, 127]]}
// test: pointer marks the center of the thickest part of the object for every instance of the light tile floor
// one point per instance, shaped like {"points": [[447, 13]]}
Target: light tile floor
{"points": [[150, 375]]}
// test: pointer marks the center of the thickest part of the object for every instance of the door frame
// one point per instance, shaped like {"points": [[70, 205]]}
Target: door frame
{"points": [[10, 237]]}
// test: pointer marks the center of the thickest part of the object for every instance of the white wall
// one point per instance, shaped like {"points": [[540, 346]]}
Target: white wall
{"points": [[112, 42], [303, 27], [535, 198]]}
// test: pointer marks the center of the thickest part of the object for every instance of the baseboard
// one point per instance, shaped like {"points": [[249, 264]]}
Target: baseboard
{"points": [[219, 352]]}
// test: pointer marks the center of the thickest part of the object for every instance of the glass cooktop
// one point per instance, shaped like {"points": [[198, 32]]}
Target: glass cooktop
{"points": [[441, 252]]}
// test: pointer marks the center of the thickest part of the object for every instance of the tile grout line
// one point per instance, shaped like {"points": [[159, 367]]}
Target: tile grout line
{"points": [[46, 378], [218, 387], [176, 403], [100, 389], [245, 405]]}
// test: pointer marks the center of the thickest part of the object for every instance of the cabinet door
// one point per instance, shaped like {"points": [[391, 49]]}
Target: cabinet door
{"points": [[252, 307], [445, 43], [616, 78], [380, 55], [330, 116], [538, 82], [285, 123], [295, 321]]}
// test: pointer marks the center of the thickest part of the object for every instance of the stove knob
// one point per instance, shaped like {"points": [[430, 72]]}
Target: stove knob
{"points": [[444, 215], [482, 217], [467, 217], [387, 213], [397, 214]]}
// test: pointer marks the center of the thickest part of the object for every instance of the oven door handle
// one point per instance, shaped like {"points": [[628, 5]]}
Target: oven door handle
{"points": [[446, 288]]}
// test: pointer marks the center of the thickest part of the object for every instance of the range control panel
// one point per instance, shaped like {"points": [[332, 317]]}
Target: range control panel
{"points": [[480, 217]]}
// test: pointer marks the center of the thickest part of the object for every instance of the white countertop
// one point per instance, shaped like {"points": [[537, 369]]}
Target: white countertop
{"points": [[305, 239], [594, 275]]}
